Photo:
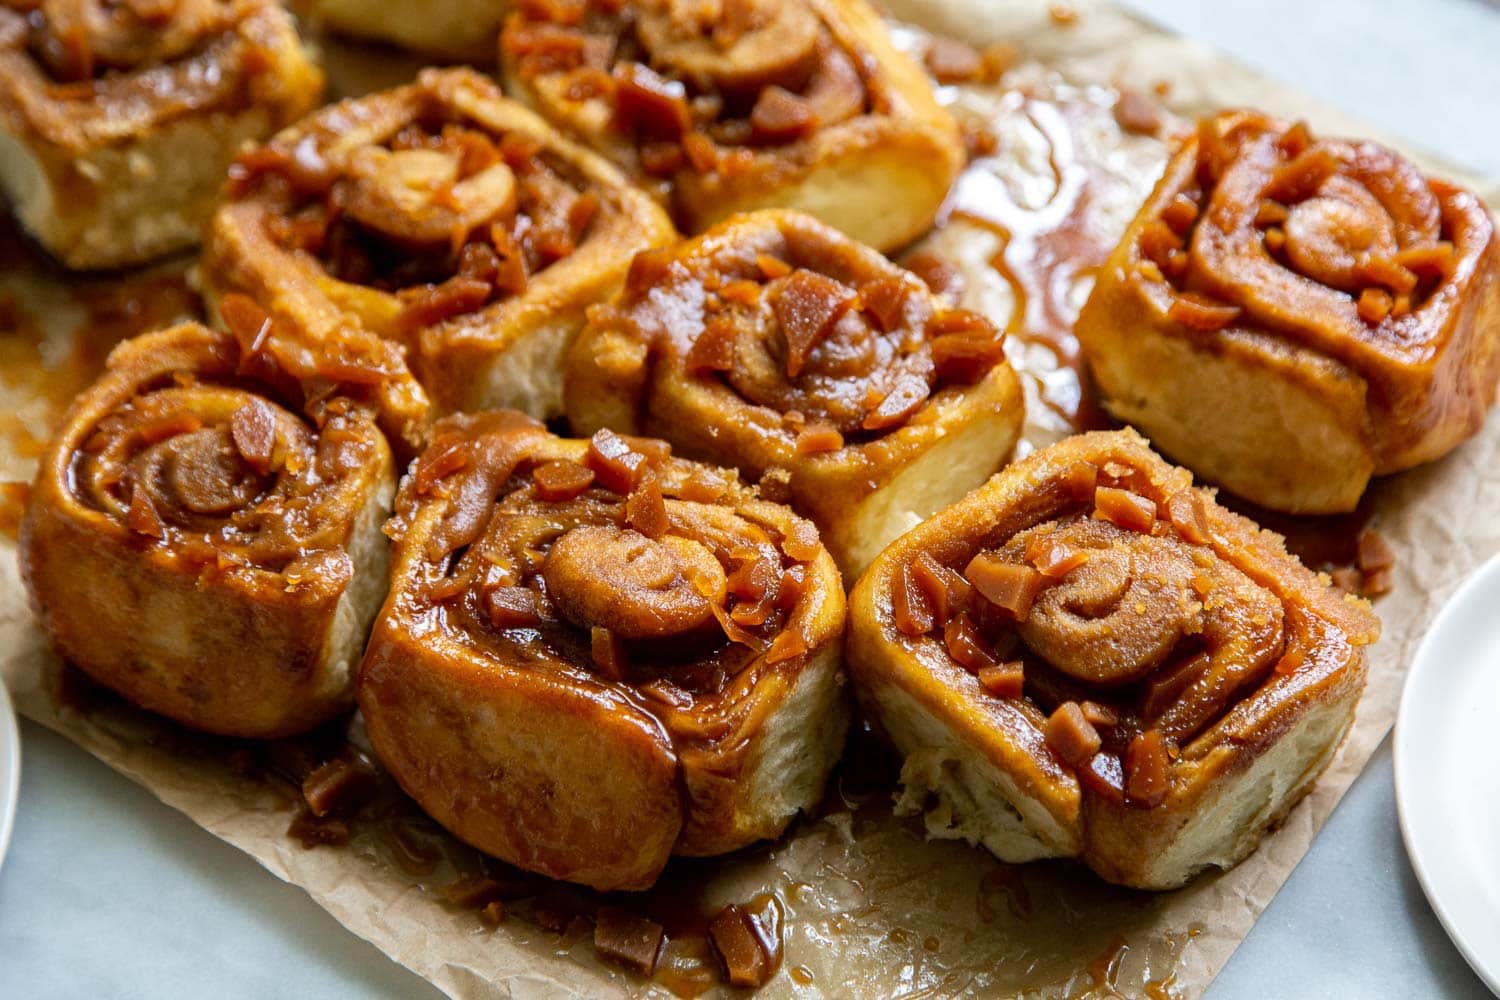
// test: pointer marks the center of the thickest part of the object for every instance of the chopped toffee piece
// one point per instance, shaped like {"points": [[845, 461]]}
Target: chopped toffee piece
{"points": [[627, 939], [1071, 735]]}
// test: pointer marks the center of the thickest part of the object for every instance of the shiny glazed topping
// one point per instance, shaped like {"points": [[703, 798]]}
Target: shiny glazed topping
{"points": [[206, 461], [347, 361], [615, 558], [445, 213], [1116, 617], [694, 85], [88, 71], [78, 40], [793, 318], [1281, 227]]}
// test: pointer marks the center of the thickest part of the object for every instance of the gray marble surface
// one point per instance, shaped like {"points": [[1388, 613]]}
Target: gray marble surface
{"points": [[107, 893]]}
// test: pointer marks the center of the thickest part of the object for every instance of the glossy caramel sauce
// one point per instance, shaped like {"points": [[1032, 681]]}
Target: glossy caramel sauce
{"points": [[870, 904], [1049, 193]]}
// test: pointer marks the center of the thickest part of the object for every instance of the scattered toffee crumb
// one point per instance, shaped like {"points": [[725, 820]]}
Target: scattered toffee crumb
{"points": [[942, 277], [627, 939], [492, 914], [747, 940], [339, 787], [776, 484], [952, 61], [999, 58], [1138, 113], [316, 831], [979, 139]]}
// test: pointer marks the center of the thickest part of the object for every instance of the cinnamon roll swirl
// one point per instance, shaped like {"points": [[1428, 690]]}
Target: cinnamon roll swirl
{"points": [[1089, 658], [118, 120], [596, 655], [774, 344], [735, 105], [442, 217], [1290, 315], [198, 542]]}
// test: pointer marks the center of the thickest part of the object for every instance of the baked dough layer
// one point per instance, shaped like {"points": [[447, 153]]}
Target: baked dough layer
{"points": [[460, 30], [197, 543], [117, 159], [1087, 657], [1290, 316], [595, 655], [880, 409], [804, 106], [444, 218]]}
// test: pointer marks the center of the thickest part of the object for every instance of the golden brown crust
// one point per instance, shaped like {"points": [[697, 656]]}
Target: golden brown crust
{"points": [[195, 542], [442, 217], [1357, 300], [1169, 648], [119, 124], [745, 104], [595, 655], [776, 345], [457, 30]]}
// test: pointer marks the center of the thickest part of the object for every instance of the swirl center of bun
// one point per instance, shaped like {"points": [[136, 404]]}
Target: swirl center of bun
{"points": [[198, 455], [201, 473], [606, 576], [1327, 235], [422, 196], [1129, 602]]}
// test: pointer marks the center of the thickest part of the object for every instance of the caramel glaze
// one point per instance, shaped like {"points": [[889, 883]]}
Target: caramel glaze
{"points": [[586, 540], [686, 98], [1122, 614], [1047, 249], [442, 212], [88, 72]]}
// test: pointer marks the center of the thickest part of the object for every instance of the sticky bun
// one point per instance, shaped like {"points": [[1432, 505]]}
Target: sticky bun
{"points": [[1090, 658], [118, 120], [442, 217], [596, 655], [776, 345], [1289, 315], [735, 105], [203, 543]]}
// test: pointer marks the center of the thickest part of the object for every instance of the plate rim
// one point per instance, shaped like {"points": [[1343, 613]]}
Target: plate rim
{"points": [[1420, 678], [10, 772]]}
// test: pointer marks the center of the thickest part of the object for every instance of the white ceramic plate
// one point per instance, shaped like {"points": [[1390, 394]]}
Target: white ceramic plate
{"points": [[1447, 781], [10, 768]]}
